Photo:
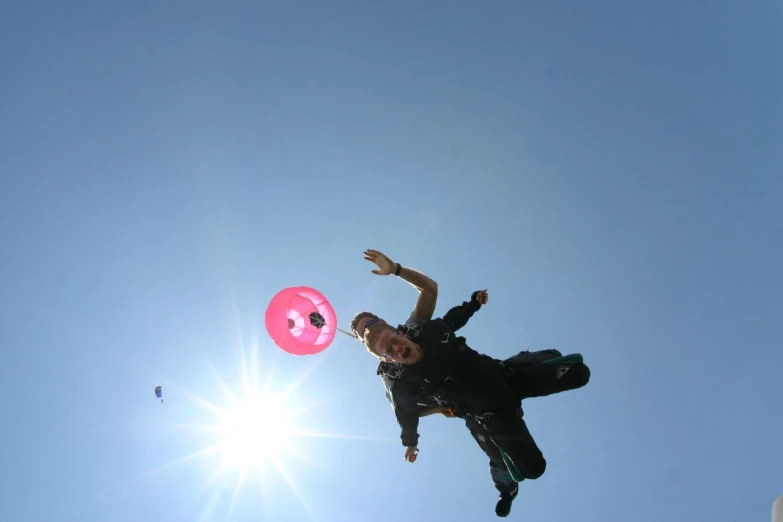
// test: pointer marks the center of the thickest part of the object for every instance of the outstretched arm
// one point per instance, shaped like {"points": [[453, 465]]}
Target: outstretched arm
{"points": [[428, 291], [459, 316], [406, 410], [427, 287]]}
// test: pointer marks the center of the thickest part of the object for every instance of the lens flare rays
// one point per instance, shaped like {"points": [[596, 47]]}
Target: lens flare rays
{"points": [[248, 435], [254, 433]]}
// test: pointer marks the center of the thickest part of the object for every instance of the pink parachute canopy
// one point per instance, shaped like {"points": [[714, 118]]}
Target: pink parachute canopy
{"points": [[301, 321]]}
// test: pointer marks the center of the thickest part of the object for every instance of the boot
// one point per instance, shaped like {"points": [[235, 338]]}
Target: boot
{"points": [[503, 507]]}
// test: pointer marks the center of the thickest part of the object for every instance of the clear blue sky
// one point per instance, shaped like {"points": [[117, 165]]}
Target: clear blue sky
{"points": [[610, 171]]}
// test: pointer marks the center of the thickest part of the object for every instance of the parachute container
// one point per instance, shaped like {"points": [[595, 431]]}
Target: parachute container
{"points": [[301, 321]]}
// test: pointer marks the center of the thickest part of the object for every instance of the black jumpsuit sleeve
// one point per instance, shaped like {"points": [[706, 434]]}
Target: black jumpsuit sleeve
{"points": [[406, 409], [458, 316]]}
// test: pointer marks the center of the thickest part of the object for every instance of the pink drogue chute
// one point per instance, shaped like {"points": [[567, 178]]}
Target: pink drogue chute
{"points": [[301, 321]]}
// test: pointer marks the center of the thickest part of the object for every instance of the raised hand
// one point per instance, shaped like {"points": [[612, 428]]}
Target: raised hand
{"points": [[385, 265]]}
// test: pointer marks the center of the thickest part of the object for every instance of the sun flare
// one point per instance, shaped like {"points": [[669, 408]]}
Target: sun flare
{"points": [[251, 435], [253, 428], [254, 432]]}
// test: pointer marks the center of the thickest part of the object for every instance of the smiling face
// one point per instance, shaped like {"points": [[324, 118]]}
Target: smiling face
{"points": [[395, 347], [383, 341]]}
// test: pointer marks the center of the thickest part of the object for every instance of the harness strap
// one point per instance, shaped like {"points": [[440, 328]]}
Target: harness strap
{"points": [[389, 370], [411, 332]]}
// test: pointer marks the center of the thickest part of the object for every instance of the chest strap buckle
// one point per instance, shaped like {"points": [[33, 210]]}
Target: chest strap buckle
{"points": [[392, 372]]}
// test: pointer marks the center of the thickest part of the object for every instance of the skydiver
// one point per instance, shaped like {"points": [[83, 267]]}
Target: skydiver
{"points": [[429, 359], [425, 306], [422, 312], [501, 477]]}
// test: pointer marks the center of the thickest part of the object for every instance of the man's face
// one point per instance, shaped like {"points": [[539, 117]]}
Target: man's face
{"points": [[395, 347], [363, 322]]}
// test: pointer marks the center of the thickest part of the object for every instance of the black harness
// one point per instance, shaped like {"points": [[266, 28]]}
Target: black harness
{"points": [[433, 389], [439, 386]]}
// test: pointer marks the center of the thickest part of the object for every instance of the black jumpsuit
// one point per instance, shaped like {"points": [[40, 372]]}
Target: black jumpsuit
{"points": [[497, 468], [478, 386]]}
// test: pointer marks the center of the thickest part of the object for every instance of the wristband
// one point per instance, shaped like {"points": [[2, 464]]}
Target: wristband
{"points": [[399, 269]]}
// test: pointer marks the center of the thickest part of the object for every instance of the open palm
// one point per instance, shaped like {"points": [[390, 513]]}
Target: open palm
{"points": [[385, 265]]}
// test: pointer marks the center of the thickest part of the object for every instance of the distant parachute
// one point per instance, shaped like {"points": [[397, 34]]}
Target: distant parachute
{"points": [[301, 321], [159, 393]]}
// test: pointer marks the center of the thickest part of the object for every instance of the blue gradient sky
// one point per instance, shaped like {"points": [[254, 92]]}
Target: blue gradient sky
{"points": [[609, 170]]}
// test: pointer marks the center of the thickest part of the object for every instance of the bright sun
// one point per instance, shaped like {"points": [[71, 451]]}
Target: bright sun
{"points": [[253, 430], [253, 433]]}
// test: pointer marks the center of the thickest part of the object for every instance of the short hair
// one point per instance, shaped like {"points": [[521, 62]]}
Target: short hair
{"points": [[355, 322]]}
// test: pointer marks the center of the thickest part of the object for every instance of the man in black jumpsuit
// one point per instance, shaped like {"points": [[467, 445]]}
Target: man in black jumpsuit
{"points": [[432, 361], [423, 311]]}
